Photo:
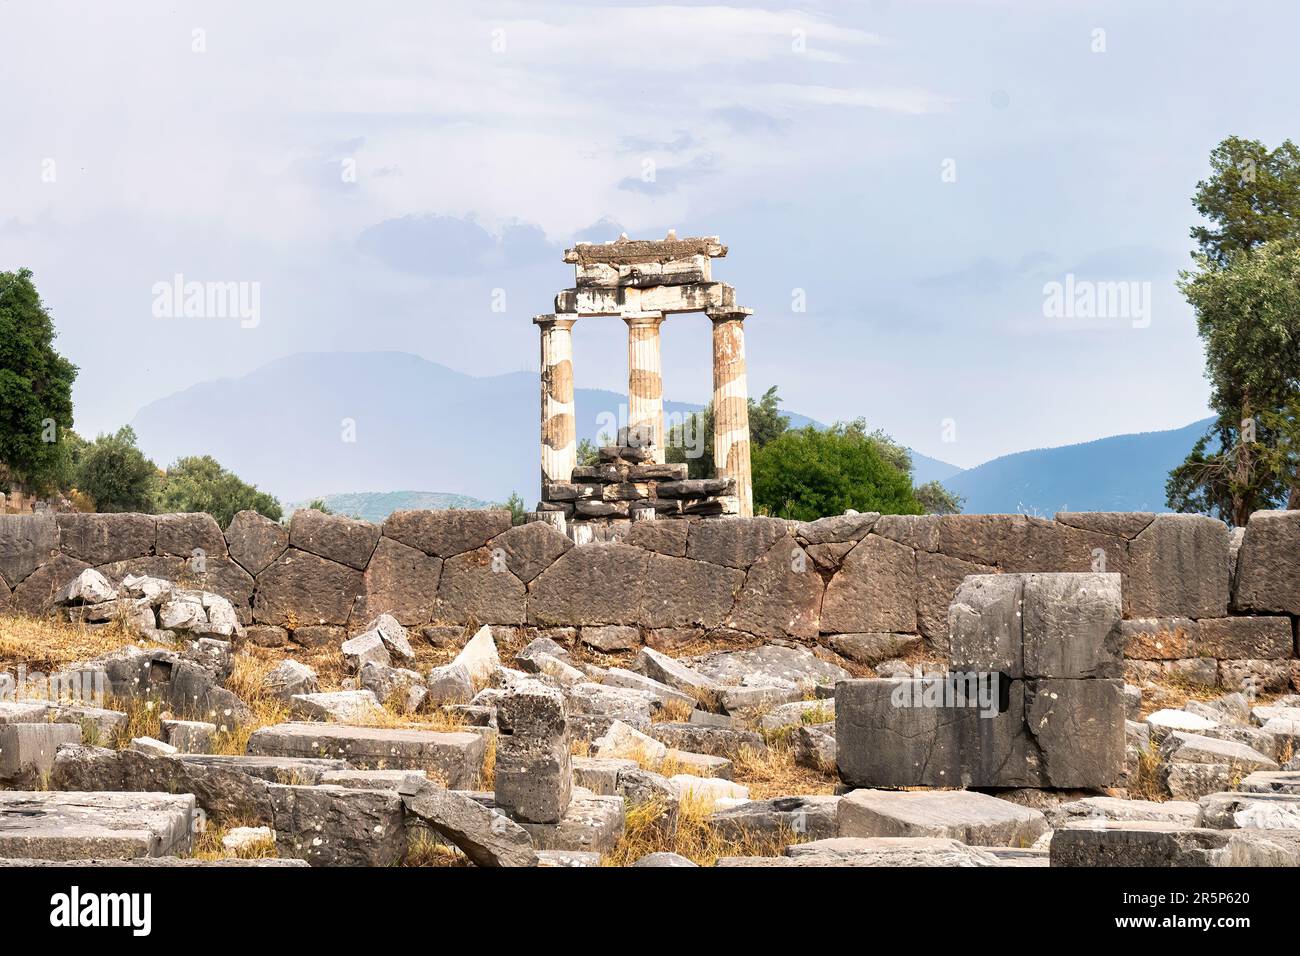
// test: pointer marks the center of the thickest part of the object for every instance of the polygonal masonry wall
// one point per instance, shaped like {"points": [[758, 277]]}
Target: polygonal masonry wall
{"points": [[867, 586]]}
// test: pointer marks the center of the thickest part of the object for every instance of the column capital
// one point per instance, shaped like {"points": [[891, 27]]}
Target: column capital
{"points": [[554, 321], [642, 320], [729, 315]]}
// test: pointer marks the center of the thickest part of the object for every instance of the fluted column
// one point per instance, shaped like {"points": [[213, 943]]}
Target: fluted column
{"points": [[731, 404], [559, 428], [645, 387]]}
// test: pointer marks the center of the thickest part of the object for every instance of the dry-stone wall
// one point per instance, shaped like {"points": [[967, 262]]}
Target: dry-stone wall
{"points": [[866, 586]]}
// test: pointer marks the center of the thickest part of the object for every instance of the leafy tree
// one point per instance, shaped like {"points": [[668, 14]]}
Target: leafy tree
{"points": [[318, 504], [199, 483], [935, 499], [1248, 315], [766, 423], [518, 512], [588, 453], [809, 473], [35, 387], [116, 474], [1252, 198]]}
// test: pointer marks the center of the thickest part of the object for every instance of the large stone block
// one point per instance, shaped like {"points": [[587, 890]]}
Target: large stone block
{"points": [[882, 744], [1178, 567], [38, 591], [530, 549], [734, 542], [479, 586], [1072, 626], [487, 837], [1146, 843], [338, 826], [592, 584], [973, 818], [401, 581], [781, 596], [938, 577], [456, 758], [345, 540], [26, 542], [874, 590], [102, 538], [985, 626], [1252, 638], [1078, 726], [94, 826], [534, 775], [255, 541], [681, 592], [302, 588], [446, 533], [189, 535], [1268, 564], [27, 750]]}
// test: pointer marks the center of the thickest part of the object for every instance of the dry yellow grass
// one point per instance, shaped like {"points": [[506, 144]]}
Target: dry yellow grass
{"points": [[694, 837], [207, 845], [773, 773], [42, 644]]}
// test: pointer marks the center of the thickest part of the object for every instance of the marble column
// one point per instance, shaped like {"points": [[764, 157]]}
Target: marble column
{"points": [[559, 427], [731, 404], [645, 388]]}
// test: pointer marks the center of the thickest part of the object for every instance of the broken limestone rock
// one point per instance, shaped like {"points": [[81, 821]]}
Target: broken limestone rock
{"points": [[628, 743], [479, 656], [364, 649], [487, 838], [289, 677], [344, 706]]}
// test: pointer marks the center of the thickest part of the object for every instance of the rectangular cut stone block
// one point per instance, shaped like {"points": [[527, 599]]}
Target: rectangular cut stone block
{"points": [[1144, 843], [984, 623], [1052, 733], [27, 750], [1178, 567], [1252, 638], [53, 825], [880, 744], [338, 826], [1078, 727], [455, 758], [598, 300], [973, 818], [1072, 626], [534, 777], [1268, 565], [591, 824]]}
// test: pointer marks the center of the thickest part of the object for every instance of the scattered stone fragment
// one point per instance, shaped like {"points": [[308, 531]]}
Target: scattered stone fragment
{"points": [[289, 678], [344, 706], [455, 757], [153, 747], [27, 751], [190, 736], [813, 817], [533, 774], [338, 826], [665, 860], [364, 649], [629, 743], [479, 656], [240, 839]]}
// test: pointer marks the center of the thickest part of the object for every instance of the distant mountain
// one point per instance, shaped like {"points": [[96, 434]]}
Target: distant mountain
{"points": [[377, 505], [351, 426], [1121, 473], [318, 424]]}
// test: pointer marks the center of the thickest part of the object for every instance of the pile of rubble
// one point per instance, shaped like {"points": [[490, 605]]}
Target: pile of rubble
{"points": [[1050, 768]]}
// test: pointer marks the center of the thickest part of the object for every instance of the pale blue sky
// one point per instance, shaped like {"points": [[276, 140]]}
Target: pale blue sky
{"points": [[487, 136]]}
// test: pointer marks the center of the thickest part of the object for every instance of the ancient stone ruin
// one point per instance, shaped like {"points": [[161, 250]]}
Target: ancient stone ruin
{"points": [[643, 282], [968, 690]]}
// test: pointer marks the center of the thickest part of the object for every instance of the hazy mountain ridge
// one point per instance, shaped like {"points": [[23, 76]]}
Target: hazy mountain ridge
{"points": [[310, 424]]}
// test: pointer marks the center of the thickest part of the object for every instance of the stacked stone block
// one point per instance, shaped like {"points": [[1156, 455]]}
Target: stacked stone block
{"points": [[1051, 644], [629, 483]]}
